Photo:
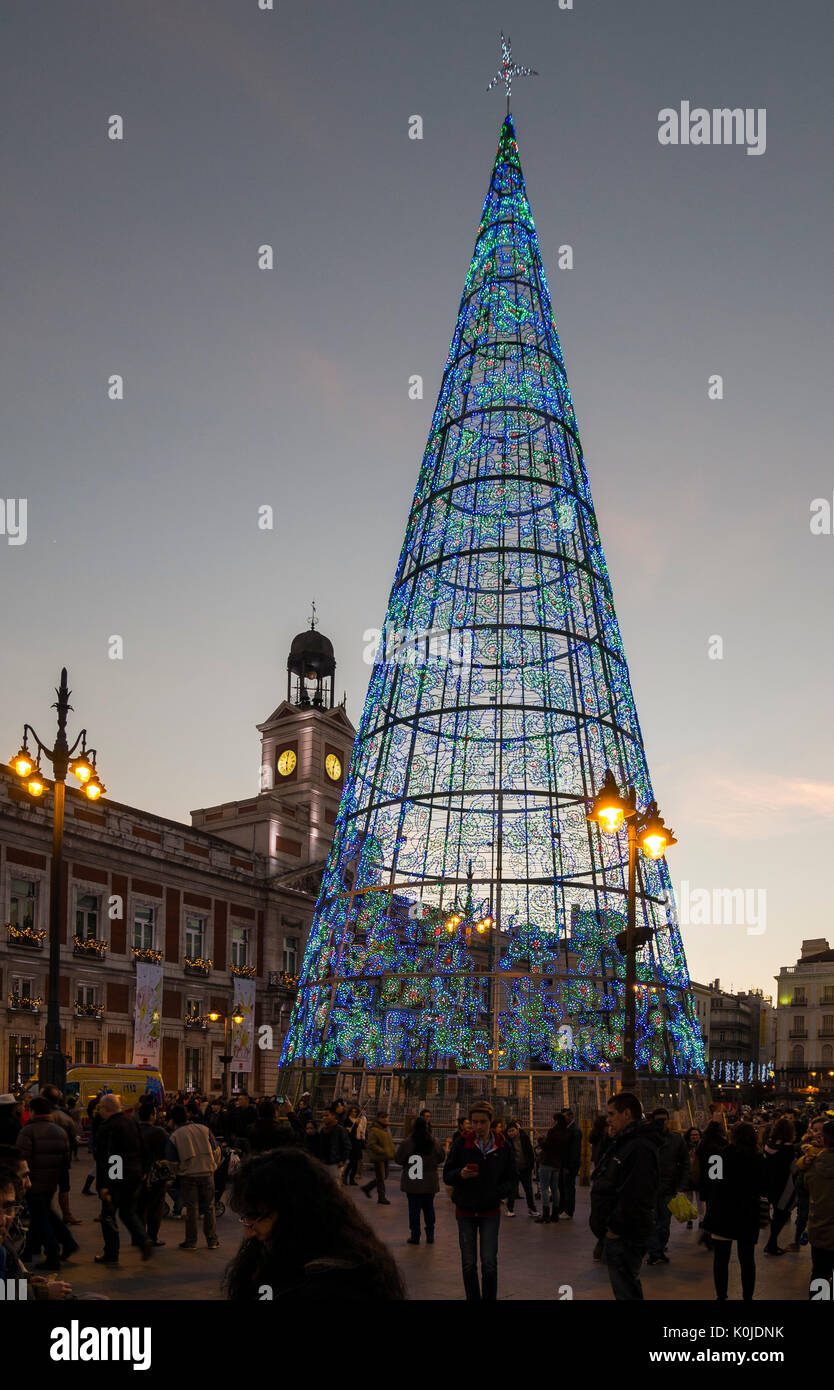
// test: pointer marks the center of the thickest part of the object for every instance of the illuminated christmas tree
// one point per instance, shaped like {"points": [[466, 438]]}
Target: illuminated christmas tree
{"points": [[468, 911]]}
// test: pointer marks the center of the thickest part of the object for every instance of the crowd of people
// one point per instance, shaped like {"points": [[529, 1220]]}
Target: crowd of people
{"points": [[286, 1172], [739, 1180]]}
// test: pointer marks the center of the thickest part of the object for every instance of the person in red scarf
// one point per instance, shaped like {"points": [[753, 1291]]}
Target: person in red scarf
{"points": [[481, 1171]]}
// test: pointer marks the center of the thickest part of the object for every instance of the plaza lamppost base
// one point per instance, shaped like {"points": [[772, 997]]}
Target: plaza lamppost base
{"points": [[52, 1069]]}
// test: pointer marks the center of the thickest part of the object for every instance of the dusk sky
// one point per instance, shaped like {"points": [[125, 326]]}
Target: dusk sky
{"points": [[246, 387]]}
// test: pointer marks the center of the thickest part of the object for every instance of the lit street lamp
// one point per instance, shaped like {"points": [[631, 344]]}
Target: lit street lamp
{"points": [[226, 1057], [647, 831], [52, 1067]]}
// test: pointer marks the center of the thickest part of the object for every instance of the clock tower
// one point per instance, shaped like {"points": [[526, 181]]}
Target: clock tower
{"points": [[305, 748]]}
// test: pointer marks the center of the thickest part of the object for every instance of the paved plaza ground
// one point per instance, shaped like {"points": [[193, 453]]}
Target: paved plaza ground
{"points": [[535, 1262]]}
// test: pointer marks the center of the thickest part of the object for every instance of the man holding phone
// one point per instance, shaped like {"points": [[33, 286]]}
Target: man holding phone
{"points": [[481, 1171]]}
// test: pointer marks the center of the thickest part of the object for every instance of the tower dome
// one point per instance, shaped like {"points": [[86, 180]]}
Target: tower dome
{"points": [[312, 662]]}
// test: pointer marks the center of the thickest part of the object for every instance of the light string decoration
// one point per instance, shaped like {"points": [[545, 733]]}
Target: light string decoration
{"points": [[465, 799]]}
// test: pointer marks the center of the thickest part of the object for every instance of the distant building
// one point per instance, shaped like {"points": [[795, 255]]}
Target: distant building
{"points": [[738, 1033], [805, 1021], [233, 892]]}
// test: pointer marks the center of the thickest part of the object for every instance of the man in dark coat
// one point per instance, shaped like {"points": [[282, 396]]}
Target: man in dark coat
{"points": [[119, 1161], [624, 1193], [45, 1147], [481, 1171], [673, 1158], [570, 1166]]}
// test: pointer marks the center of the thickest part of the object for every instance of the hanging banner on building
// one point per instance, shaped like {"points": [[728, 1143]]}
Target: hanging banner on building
{"points": [[147, 1018], [243, 1033]]}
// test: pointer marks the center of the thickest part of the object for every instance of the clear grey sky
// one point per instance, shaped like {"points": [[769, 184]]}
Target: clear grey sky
{"points": [[290, 387]]}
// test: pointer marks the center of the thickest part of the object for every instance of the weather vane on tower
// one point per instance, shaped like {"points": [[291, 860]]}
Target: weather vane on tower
{"points": [[509, 70]]}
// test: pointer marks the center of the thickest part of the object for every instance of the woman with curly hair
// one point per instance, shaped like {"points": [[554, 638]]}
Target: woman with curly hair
{"points": [[303, 1236]]}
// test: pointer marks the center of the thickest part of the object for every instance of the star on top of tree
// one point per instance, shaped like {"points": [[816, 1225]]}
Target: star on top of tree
{"points": [[509, 70]]}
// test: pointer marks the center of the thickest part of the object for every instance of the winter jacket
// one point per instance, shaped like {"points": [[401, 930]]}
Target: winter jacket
{"points": [[707, 1149], [154, 1140], [118, 1135], [332, 1145], [553, 1149], [240, 1120], [673, 1158], [46, 1149], [194, 1149], [733, 1206], [523, 1153], [430, 1180], [269, 1134], [694, 1169], [819, 1180], [357, 1131], [218, 1123], [496, 1179], [379, 1145], [626, 1183], [10, 1125], [778, 1162], [573, 1153]]}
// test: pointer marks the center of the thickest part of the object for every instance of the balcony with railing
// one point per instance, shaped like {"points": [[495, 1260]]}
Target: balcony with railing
{"points": [[281, 981], [197, 965], [146, 953], [798, 1033], [24, 1003], [89, 947], [90, 1011], [26, 937], [197, 1023]]}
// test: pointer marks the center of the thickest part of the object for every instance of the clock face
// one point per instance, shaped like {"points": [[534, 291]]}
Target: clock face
{"points": [[333, 767], [286, 762]]}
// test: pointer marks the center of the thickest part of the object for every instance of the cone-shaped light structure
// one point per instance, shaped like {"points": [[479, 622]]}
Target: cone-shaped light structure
{"points": [[499, 697]]}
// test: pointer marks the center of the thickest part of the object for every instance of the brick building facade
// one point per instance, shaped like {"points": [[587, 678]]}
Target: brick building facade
{"points": [[236, 897]]}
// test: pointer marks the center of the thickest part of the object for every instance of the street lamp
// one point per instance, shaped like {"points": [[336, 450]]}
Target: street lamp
{"points": [[646, 831], [52, 1067], [226, 1057]]}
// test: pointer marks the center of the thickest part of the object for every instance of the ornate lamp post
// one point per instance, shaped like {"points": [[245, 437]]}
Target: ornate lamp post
{"points": [[226, 1058], [52, 1069], [647, 831]]}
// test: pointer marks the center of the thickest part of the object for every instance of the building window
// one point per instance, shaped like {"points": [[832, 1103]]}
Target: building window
{"points": [[799, 996], [143, 925], [798, 1025], [827, 1055], [193, 1069], [86, 916], [193, 1008], [797, 1056], [195, 933], [23, 1059], [86, 996], [22, 987], [827, 1023], [22, 903], [828, 994], [240, 947], [86, 1052], [291, 955]]}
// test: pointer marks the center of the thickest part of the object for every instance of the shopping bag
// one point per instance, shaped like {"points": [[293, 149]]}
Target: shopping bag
{"points": [[681, 1208]]}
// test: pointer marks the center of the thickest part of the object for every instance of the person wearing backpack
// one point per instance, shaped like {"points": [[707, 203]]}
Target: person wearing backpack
{"points": [[150, 1201], [420, 1155]]}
